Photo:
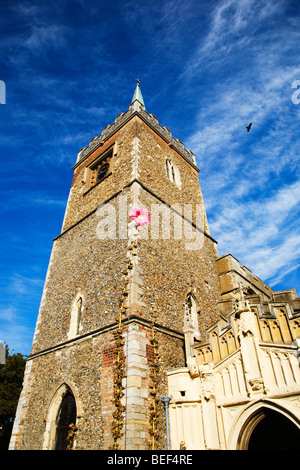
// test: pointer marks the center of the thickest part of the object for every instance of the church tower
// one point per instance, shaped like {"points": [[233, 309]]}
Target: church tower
{"points": [[118, 295]]}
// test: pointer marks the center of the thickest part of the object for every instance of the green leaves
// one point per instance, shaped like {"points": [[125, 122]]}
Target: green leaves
{"points": [[11, 379], [153, 389]]}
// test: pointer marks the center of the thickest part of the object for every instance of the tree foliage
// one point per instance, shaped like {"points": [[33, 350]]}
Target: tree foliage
{"points": [[11, 379]]}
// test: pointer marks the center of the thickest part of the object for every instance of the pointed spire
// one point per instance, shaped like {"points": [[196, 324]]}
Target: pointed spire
{"points": [[138, 94]]}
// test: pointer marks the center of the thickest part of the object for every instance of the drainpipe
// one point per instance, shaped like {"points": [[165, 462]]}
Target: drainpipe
{"points": [[166, 401]]}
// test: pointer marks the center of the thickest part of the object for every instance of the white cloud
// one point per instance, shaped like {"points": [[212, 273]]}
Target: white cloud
{"points": [[233, 26], [16, 336], [274, 263], [13, 331], [16, 199], [250, 181], [24, 285], [16, 322], [8, 314], [45, 36], [263, 234]]}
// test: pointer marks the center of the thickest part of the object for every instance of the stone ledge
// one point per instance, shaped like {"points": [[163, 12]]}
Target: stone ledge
{"points": [[113, 326]]}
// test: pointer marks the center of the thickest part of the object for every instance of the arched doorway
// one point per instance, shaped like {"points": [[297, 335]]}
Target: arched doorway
{"points": [[65, 419], [274, 431], [268, 429]]}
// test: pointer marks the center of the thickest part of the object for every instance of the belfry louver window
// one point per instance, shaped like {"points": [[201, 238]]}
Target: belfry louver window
{"points": [[99, 169]]}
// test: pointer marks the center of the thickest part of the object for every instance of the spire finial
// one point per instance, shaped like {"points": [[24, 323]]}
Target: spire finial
{"points": [[138, 94]]}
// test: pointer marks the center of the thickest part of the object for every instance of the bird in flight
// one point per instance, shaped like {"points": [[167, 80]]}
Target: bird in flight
{"points": [[249, 127]]}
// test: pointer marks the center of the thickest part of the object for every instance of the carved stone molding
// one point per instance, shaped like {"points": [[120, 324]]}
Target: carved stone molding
{"points": [[257, 384]]}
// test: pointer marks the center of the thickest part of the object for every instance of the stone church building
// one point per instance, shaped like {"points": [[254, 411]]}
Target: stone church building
{"points": [[132, 314]]}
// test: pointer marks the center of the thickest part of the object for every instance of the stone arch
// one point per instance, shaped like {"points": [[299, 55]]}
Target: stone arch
{"points": [[54, 408], [264, 414]]}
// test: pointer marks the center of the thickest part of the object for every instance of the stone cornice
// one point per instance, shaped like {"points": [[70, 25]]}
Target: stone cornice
{"points": [[107, 328]]}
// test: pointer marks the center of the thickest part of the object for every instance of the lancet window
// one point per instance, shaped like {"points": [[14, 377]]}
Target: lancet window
{"points": [[173, 173], [191, 315], [76, 316]]}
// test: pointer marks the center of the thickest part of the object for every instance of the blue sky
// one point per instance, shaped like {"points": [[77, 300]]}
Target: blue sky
{"points": [[207, 69]]}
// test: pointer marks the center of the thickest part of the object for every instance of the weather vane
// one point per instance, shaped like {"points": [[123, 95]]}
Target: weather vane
{"points": [[138, 81]]}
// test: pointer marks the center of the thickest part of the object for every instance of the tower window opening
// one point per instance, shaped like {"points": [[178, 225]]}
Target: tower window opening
{"points": [[79, 312], [168, 168], [76, 316], [173, 173], [102, 172], [99, 169]]}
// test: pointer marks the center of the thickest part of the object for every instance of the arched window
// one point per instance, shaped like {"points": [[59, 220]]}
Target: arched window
{"points": [[99, 169], [76, 313], [192, 314], [168, 168], [173, 173], [65, 423]]}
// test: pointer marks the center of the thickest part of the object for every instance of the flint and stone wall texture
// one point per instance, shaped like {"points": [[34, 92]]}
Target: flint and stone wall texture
{"points": [[82, 264]]}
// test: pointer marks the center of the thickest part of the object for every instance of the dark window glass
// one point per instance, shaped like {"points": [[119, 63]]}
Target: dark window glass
{"points": [[102, 172], [66, 416]]}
